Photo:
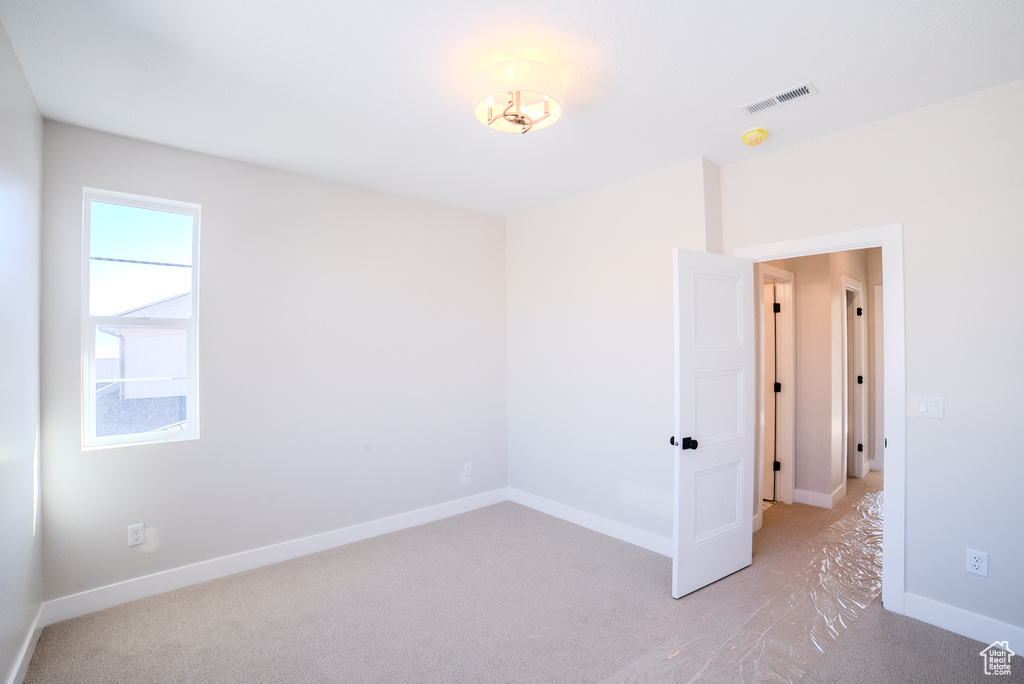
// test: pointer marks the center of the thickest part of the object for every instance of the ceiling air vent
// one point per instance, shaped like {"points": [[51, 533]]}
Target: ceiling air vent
{"points": [[802, 90]]}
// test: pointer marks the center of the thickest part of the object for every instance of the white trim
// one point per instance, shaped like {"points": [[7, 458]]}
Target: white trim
{"points": [[838, 494], [28, 647], [878, 435], [616, 530], [890, 239], [785, 417], [963, 622], [804, 496], [819, 499], [111, 595], [853, 464], [822, 244]]}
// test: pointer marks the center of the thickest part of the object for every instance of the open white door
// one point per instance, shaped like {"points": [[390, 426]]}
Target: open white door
{"points": [[714, 431]]}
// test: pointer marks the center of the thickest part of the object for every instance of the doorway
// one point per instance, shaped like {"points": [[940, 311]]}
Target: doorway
{"points": [[832, 382], [856, 383], [890, 239], [770, 398], [776, 315]]}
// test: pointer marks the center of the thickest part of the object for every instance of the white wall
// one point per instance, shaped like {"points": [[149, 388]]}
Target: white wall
{"points": [[352, 358], [952, 175], [21, 134], [590, 339]]}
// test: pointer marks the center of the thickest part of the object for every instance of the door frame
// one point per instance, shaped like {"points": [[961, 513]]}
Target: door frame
{"points": [[877, 430], [855, 362], [890, 239], [785, 412]]}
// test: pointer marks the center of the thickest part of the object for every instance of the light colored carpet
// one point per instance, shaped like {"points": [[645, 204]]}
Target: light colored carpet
{"points": [[501, 594], [885, 647]]}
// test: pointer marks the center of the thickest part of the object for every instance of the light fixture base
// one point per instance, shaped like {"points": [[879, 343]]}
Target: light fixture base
{"points": [[518, 96], [752, 137]]}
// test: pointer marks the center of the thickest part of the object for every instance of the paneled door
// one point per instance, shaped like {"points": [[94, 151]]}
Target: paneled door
{"points": [[714, 431]]}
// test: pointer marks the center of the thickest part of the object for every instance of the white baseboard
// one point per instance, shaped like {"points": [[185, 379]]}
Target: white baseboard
{"points": [[20, 666], [964, 622], [111, 595], [838, 494], [820, 500], [75, 605], [647, 540]]}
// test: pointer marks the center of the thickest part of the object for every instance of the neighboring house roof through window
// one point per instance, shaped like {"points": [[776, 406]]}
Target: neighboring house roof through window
{"points": [[178, 306]]}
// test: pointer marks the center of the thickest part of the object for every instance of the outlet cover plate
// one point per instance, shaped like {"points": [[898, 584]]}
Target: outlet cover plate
{"points": [[136, 534], [977, 562]]}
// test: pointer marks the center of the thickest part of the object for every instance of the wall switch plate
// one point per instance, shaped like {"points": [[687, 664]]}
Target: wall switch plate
{"points": [[467, 470], [136, 534], [977, 562], [928, 407]]}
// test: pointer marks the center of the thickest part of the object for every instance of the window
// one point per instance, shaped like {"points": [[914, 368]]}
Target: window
{"points": [[139, 320]]}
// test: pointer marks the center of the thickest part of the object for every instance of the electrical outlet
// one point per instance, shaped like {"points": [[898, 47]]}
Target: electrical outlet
{"points": [[977, 562], [136, 534], [467, 470]]}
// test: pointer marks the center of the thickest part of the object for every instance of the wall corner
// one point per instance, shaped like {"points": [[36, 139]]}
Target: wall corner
{"points": [[712, 184]]}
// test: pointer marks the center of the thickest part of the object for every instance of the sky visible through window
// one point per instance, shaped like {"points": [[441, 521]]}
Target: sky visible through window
{"points": [[137, 257]]}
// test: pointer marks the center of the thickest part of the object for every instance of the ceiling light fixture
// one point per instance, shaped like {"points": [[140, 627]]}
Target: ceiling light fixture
{"points": [[753, 136], [517, 96]]}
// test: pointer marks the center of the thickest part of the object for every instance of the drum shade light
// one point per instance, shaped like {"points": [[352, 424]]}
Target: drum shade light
{"points": [[518, 96]]}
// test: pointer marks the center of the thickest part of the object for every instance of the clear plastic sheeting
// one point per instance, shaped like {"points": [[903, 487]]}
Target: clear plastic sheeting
{"points": [[787, 634]]}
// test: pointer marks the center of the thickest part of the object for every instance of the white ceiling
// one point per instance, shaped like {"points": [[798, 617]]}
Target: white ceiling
{"points": [[378, 94]]}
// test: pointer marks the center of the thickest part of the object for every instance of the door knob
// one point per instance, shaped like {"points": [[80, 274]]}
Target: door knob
{"points": [[672, 440], [689, 443]]}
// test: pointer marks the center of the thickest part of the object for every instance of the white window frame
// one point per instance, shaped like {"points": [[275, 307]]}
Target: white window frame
{"points": [[90, 440]]}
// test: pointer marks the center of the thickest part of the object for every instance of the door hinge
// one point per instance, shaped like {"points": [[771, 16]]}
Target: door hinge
{"points": [[860, 379], [860, 311], [776, 308], [778, 387], [860, 447], [776, 466]]}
